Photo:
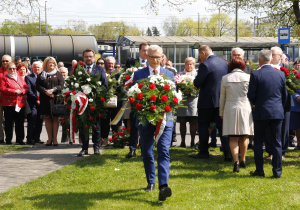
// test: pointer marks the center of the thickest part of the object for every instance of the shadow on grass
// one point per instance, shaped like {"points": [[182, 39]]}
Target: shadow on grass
{"points": [[75, 200]]}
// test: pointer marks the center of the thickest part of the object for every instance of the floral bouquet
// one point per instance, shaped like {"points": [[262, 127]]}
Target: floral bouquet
{"points": [[185, 83], [153, 98], [84, 99], [292, 80], [121, 139]]}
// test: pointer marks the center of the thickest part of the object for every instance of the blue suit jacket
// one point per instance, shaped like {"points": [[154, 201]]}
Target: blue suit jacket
{"points": [[32, 92], [99, 70], [267, 91], [209, 80], [144, 73]]}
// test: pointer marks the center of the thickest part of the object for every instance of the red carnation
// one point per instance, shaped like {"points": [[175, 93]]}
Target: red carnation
{"points": [[69, 107], [285, 70], [167, 87], [100, 115], [295, 72], [91, 118], [119, 133], [114, 139], [164, 98], [175, 100], [92, 108], [141, 85], [123, 134], [152, 98], [152, 86], [152, 108], [66, 100], [128, 129], [138, 106], [124, 128], [86, 126], [102, 99], [115, 135], [81, 63], [298, 76], [167, 109], [62, 121], [109, 140], [95, 127], [131, 100], [127, 78], [139, 96]]}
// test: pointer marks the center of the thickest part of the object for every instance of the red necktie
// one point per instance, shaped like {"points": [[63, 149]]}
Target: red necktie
{"points": [[154, 71], [89, 69]]}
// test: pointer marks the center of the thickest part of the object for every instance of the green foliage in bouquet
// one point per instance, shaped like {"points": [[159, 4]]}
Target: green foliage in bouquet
{"points": [[292, 80], [121, 138], [185, 83], [153, 97]]}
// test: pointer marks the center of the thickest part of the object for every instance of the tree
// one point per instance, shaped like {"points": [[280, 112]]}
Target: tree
{"points": [[9, 27], [32, 28], [153, 5], [212, 25], [170, 26], [18, 6], [78, 26], [187, 27], [155, 31], [280, 13], [111, 30], [149, 32]]}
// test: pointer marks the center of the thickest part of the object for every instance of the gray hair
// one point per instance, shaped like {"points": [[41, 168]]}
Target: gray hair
{"points": [[38, 63], [111, 58], [238, 49], [60, 64], [265, 55], [155, 48], [6, 56], [277, 49]]}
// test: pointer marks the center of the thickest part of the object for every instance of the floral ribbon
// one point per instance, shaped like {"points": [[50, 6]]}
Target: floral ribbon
{"points": [[160, 127]]}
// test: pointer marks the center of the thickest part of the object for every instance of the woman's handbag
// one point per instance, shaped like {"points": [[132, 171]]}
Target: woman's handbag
{"points": [[58, 109], [112, 102]]}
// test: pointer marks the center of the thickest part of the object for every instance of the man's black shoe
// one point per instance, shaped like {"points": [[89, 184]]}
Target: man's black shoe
{"points": [[2, 141], [150, 187], [200, 156], [30, 143], [96, 151], [164, 192], [83, 152], [256, 173], [276, 176], [39, 142], [228, 158], [131, 154], [214, 145]]}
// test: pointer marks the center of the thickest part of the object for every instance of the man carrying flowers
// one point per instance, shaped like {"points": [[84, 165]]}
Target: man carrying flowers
{"points": [[144, 96]]}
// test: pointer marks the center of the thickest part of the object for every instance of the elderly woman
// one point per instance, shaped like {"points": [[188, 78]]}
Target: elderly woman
{"points": [[188, 113], [14, 90], [235, 109], [49, 83], [295, 110], [22, 70]]}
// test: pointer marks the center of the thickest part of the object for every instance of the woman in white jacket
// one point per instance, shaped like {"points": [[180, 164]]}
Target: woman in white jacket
{"points": [[235, 109]]}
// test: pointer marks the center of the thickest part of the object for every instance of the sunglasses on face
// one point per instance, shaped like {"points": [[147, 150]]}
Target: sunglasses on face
{"points": [[100, 63], [5, 61]]}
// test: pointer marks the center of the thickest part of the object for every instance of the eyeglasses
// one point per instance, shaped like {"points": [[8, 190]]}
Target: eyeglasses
{"points": [[117, 67], [100, 63], [5, 61], [154, 57], [26, 60], [12, 68]]}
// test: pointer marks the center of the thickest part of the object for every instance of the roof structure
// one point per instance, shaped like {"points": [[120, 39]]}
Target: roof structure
{"points": [[211, 41]]}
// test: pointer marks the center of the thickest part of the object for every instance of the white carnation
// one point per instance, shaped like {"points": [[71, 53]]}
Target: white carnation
{"points": [[79, 73], [74, 78], [76, 85], [66, 90], [86, 89], [133, 90], [178, 95], [99, 82], [72, 83], [91, 100], [88, 79]]}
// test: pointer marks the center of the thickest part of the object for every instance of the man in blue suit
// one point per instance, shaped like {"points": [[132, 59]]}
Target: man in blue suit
{"points": [[142, 60], [35, 123], [147, 132], [267, 92], [93, 69], [210, 73]]}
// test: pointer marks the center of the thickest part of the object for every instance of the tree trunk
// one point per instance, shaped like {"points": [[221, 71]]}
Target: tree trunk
{"points": [[296, 11]]}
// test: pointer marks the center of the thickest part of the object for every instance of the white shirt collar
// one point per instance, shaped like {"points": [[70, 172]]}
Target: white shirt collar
{"points": [[140, 60], [151, 70]]}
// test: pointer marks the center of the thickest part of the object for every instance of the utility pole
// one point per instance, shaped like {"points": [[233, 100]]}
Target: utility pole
{"points": [[46, 17], [40, 21], [236, 22], [198, 24], [219, 22]]}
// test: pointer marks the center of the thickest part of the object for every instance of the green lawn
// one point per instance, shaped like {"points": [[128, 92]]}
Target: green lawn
{"points": [[110, 181], [9, 148]]}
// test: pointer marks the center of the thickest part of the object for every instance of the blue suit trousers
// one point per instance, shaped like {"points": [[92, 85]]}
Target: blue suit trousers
{"points": [[163, 160]]}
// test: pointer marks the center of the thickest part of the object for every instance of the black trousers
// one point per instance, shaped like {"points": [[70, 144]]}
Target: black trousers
{"points": [[35, 125], [11, 117]]}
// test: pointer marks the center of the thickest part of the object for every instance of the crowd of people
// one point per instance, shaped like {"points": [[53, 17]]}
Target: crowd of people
{"points": [[234, 99]]}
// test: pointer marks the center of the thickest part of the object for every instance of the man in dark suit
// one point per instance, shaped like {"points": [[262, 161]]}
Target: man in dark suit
{"points": [[147, 132], [93, 69], [210, 73], [35, 123], [142, 60], [267, 92]]}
